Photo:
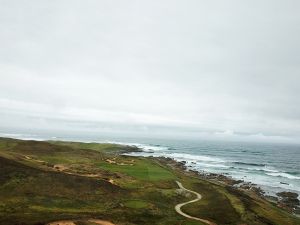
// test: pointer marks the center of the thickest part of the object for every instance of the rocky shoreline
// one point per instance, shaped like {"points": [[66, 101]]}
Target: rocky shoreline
{"points": [[286, 200]]}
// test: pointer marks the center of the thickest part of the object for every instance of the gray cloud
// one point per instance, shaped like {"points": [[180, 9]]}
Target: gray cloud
{"points": [[211, 69]]}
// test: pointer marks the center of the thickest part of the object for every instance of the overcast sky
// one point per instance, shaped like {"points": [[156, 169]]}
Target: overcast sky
{"points": [[204, 69]]}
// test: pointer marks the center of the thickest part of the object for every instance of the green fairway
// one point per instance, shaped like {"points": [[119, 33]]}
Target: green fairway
{"points": [[141, 169], [48, 181]]}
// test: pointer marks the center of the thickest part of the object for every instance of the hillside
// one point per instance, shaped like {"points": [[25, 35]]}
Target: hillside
{"points": [[41, 182]]}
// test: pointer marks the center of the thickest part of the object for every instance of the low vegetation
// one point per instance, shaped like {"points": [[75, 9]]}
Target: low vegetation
{"points": [[41, 182]]}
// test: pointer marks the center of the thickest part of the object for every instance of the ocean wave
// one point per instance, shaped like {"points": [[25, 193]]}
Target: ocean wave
{"points": [[151, 147], [264, 169], [194, 158], [249, 164], [158, 151], [11, 135], [285, 175], [22, 136], [210, 165], [270, 170], [266, 175]]}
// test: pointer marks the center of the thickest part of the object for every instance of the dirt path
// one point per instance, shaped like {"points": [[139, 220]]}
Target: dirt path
{"points": [[198, 197]]}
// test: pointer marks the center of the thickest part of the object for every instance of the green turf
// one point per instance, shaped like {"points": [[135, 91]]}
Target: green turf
{"points": [[142, 169], [32, 192], [136, 204]]}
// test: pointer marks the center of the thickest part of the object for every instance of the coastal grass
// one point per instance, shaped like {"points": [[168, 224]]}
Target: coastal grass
{"points": [[136, 204], [192, 222], [214, 206], [103, 147], [97, 182]]}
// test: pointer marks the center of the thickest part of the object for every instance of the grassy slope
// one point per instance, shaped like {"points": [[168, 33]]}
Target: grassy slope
{"points": [[32, 191]]}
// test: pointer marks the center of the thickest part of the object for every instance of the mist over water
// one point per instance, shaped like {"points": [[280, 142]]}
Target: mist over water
{"points": [[274, 167]]}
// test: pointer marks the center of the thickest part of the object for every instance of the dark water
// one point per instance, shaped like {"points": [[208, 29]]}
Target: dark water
{"points": [[275, 167]]}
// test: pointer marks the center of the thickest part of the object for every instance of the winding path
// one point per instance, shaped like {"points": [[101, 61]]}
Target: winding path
{"points": [[199, 197]]}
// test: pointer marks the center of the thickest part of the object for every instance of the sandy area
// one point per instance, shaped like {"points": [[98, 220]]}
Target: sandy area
{"points": [[36, 160], [111, 181], [60, 167], [113, 161], [101, 222], [110, 161]]}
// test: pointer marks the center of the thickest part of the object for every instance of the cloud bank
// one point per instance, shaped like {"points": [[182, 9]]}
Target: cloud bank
{"points": [[201, 69]]}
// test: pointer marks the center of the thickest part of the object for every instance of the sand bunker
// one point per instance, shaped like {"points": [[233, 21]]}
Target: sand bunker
{"points": [[110, 161], [60, 167], [111, 181], [113, 161], [101, 222]]}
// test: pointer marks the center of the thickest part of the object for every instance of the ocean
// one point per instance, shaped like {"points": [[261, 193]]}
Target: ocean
{"points": [[274, 167]]}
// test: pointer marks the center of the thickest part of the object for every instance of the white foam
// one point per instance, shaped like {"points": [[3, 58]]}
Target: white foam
{"points": [[286, 175], [269, 178], [260, 169], [218, 165], [144, 147], [194, 158], [267, 169], [22, 136]]}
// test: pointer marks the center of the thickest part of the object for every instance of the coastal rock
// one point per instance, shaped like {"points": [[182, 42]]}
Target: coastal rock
{"points": [[287, 194], [258, 190], [271, 198], [289, 201], [284, 183]]}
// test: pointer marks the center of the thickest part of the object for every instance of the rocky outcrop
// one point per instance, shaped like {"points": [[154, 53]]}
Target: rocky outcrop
{"points": [[289, 201]]}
